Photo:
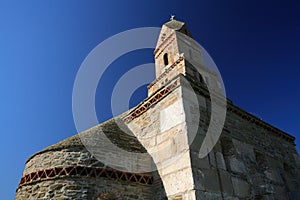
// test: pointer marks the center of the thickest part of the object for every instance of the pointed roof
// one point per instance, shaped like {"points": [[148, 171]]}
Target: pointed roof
{"points": [[174, 24], [178, 26]]}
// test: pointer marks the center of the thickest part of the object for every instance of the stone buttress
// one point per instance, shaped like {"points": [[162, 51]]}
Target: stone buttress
{"points": [[250, 159]]}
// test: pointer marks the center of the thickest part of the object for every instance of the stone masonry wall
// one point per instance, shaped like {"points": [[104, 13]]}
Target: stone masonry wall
{"points": [[250, 161], [61, 158], [162, 130], [83, 188], [68, 187]]}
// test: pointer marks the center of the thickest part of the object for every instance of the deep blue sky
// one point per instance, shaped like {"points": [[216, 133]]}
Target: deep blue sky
{"points": [[255, 45]]}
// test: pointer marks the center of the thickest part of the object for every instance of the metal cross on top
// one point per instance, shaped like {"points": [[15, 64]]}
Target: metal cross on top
{"points": [[172, 17]]}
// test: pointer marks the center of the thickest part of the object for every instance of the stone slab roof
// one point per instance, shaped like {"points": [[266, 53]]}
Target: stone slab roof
{"points": [[174, 24], [114, 129]]}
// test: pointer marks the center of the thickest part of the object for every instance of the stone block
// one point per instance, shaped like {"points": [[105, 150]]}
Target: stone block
{"points": [[228, 197], [178, 182], [201, 195], [244, 149], [226, 182], [236, 165], [220, 161], [212, 159], [175, 164], [181, 141], [240, 187], [201, 163], [206, 180], [273, 175], [265, 189], [171, 116]]}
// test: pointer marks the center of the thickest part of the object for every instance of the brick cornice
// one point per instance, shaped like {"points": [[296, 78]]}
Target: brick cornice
{"points": [[87, 172], [152, 100]]}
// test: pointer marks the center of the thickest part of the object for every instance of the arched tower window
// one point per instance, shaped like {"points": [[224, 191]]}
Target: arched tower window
{"points": [[166, 61]]}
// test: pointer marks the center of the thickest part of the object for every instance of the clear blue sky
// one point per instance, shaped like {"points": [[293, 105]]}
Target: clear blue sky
{"points": [[255, 45]]}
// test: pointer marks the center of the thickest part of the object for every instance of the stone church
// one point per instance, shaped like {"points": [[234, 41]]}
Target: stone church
{"points": [[166, 136]]}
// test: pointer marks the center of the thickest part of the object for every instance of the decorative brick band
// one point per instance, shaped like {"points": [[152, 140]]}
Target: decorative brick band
{"points": [[79, 171], [163, 43], [166, 71], [162, 50], [144, 106]]}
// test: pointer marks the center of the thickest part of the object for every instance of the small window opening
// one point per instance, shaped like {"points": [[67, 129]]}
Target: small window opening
{"points": [[166, 61]]}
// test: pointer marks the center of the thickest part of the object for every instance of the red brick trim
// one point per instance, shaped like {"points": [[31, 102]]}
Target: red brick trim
{"points": [[159, 48], [90, 172], [166, 71], [144, 106]]}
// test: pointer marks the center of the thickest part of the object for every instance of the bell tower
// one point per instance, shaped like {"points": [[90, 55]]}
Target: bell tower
{"points": [[167, 54], [166, 123]]}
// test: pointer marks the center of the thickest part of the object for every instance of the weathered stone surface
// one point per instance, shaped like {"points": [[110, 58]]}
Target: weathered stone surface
{"points": [[225, 179], [237, 165], [201, 163], [273, 175], [171, 116], [240, 187], [208, 195], [220, 161], [244, 149], [83, 189], [206, 180]]}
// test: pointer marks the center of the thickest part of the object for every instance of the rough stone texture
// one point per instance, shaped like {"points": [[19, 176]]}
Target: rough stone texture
{"points": [[83, 189], [170, 147], [71, 152], [240, 187], [251, 160]]}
